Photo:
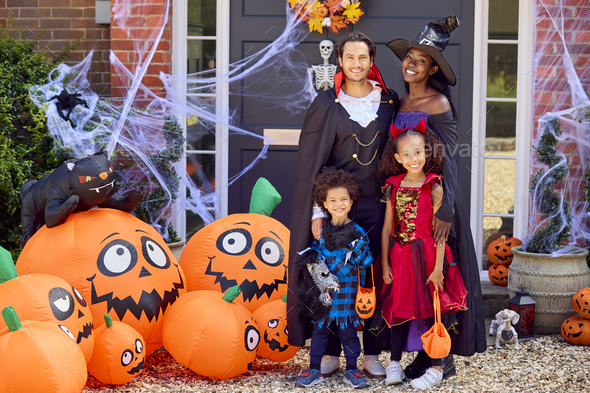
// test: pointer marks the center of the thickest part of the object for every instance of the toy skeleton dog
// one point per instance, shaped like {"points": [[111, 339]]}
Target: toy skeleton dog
{"points": [[502, 327]]}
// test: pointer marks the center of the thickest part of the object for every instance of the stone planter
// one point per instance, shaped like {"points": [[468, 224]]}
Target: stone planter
{"points": [[177, 248], [551, 281]]}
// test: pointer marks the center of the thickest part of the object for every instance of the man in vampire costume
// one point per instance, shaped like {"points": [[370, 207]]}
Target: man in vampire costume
{"points": [[346, 127]]}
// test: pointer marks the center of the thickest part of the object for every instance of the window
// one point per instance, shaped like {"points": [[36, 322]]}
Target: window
{"points": [[502, 122], [201, 43]]}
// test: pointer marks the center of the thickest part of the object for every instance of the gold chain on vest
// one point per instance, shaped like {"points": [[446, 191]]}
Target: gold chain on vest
{"points": [[355, 156], [370, 143]]}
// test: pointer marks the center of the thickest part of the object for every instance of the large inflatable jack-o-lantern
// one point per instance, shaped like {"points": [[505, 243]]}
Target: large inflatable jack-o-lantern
{"points": [[44, 297], [272, 323], [120, 264], [249, 250]]}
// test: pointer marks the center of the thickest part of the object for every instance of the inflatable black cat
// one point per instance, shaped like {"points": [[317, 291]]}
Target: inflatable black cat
{"points": [[75, 186]]}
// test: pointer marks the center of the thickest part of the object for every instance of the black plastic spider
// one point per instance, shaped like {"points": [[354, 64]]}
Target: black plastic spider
{"points": [[67, 101]]}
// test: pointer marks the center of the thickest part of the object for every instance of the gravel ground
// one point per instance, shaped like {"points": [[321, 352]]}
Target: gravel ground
{"points": [[547, 364]]}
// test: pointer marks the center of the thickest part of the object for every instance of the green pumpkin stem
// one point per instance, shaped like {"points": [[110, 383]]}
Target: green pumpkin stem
{"points": [[11, 319], [232, 293], [264, 197], [108, 320], [7, 268], [285, 298]]}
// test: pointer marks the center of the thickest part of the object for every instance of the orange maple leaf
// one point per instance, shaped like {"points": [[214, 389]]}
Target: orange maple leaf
{"points": [[333, 5], [352, 12], [315, 23], [337, 23]]}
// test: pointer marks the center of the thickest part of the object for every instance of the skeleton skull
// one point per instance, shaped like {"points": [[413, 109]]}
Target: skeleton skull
{"points": [[326, 48]]}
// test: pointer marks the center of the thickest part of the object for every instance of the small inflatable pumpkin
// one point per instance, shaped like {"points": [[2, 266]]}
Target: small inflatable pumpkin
{"points": [[581, 301], [120, 264], [500, 250], [576, 330], [119, 353], [249, 250], [498, 274], [39, 356], [211, 334], [272, 324]]}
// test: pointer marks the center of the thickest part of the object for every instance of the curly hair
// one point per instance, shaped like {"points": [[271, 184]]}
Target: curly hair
{"points": [[330, 178], [434, 154], [355, 36]]}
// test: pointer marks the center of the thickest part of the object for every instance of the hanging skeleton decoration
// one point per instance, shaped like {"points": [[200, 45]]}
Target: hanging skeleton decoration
{"points": [[324, 73]]}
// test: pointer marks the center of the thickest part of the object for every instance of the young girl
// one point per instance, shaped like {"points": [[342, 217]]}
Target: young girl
{"points": [[344, 248], [413, 265]]}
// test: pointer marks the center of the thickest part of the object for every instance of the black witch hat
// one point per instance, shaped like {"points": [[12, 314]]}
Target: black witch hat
{"points": [[432, 39]]}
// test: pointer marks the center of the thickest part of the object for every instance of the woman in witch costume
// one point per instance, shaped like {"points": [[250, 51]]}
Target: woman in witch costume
{"points": [[427, 77]]}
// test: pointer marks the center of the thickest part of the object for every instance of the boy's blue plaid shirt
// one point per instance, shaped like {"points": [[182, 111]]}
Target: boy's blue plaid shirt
{"points": [[343, 263]]}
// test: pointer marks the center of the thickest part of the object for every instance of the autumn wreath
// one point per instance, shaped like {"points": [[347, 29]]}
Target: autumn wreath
{"points": [[333, 14]]}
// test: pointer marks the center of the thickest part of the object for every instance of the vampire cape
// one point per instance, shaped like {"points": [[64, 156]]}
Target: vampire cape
{"points": [[329, 137]]}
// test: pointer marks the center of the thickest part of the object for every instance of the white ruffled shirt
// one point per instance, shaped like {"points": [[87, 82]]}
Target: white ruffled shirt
{"points": [[362, 110]]}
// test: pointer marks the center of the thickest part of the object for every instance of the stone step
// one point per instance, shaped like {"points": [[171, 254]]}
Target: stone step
{"points": [[495, 298]]}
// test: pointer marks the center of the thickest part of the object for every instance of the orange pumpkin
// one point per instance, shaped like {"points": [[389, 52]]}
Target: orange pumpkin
{"points": [[119, 353], [210, 334], [119, 263], [498, 274], [249, 250], [500, 250], [39, 356], [321, 11], [576, 330], [43, 297], [581, 301], [272, 324]]}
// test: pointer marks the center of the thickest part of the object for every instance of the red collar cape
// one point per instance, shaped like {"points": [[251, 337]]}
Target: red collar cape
{"points": [[396, 180], [374, 75]]}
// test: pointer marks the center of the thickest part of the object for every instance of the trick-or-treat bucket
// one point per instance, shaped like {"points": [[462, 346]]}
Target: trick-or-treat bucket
{"points": [[551, 281]]}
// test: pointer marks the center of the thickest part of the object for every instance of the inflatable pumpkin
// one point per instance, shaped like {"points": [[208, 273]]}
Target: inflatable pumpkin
{"points": [[120, 264], [249, 250], [576, 330], [498, 274], [581, 301], [500, 250], [39, 356], [210, 334], [119, 353], [272, 324]]}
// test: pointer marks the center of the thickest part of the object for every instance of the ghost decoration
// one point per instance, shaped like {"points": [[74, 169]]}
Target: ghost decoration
{"points": [[120, 264], [324, 73]]}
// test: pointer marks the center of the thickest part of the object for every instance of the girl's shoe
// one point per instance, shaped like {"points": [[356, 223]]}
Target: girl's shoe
{"points": [[309, 378], [430, 379], [373, 367], [330, 365], [394, 373]]}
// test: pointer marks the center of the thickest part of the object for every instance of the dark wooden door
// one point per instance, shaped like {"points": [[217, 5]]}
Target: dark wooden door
{"points": [[383, 21]]}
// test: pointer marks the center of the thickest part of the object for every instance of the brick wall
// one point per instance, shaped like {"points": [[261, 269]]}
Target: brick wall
{"points": [[62, 22], [146, 18]]}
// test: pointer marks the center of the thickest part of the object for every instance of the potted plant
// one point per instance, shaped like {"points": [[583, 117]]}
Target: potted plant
{"points": [[551, 273]]}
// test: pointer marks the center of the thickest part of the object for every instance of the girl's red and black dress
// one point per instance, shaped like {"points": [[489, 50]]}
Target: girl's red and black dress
{"points": [[412, 256]]}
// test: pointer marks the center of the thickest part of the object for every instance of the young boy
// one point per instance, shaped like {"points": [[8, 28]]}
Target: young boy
{"points": [[344, 248]]}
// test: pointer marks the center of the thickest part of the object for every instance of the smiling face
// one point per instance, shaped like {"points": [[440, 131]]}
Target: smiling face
{"points": [[338, 203], [272, 323], [417, 66], [355, 61], [249, 250], [92, 179], [411, 153]]}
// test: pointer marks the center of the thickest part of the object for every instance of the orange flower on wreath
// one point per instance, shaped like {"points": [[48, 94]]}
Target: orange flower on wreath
{"points": [[332, 14]]}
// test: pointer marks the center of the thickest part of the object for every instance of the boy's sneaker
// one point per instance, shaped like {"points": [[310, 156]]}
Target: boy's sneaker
{"points": [[309, 378], [430, 379], [355, 379], [394, 373], [330, 365]]}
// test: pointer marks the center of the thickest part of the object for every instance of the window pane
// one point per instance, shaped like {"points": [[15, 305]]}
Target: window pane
{"points": [[501, 128], [493, 228], [502, 64], [200, 124], [200, 56], [499, 186], [202, 18], [503, 22], [201, 169]]}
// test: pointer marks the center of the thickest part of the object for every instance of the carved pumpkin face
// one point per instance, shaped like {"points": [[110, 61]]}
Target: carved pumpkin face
{"points": [[210, 334], [119, 263], [576, 330], [44, 297], [498, 274], [500, 250], [581, 302], [119, 353], [39, 356], [272, 323], [365, 302], [249, 250]]}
